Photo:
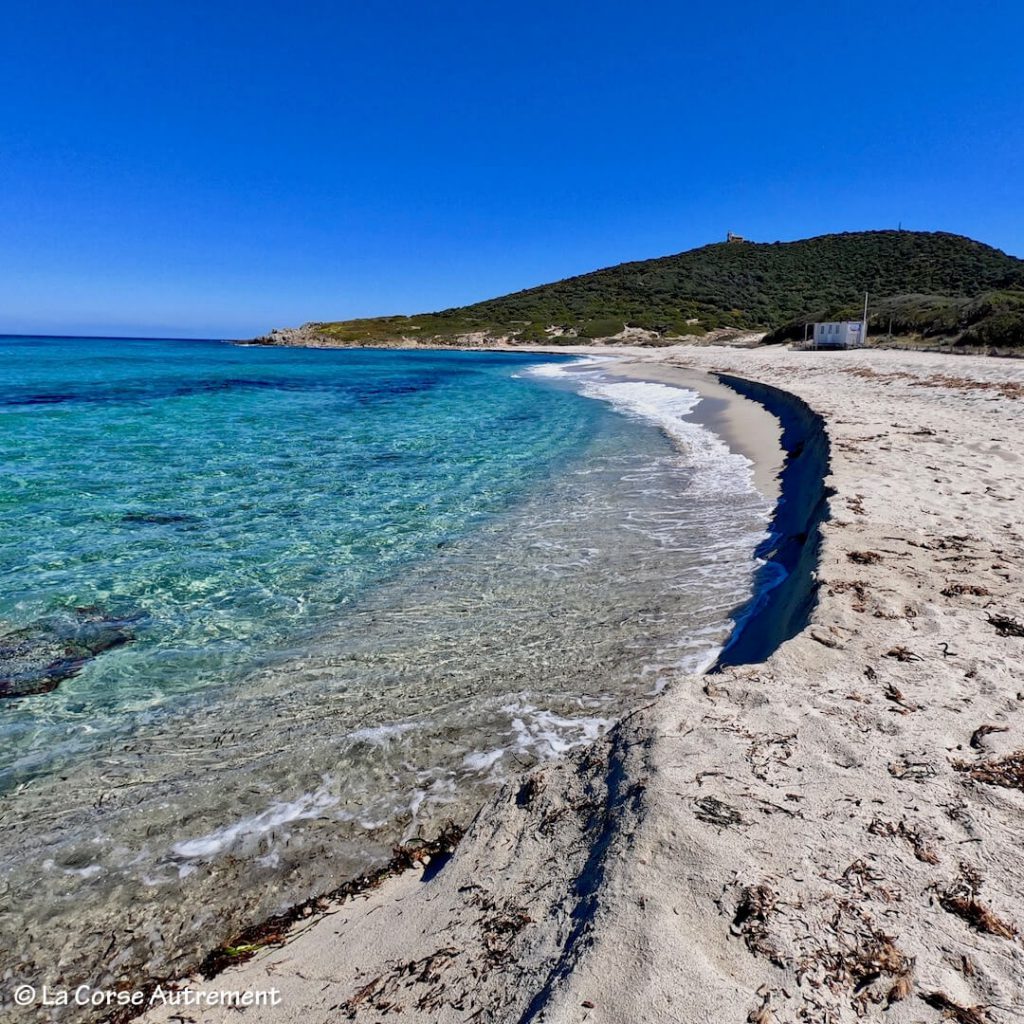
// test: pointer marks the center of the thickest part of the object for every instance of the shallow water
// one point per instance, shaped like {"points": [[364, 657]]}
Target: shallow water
{"points": [[374, 583]]}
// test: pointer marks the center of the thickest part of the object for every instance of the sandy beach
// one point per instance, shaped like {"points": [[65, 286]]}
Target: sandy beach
{"points": [[830, 835]]}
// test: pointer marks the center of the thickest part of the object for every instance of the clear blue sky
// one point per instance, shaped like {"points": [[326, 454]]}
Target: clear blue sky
{"points": [[217, 168]]}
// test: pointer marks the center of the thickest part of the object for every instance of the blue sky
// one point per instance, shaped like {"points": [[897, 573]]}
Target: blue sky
{"points": [[219, 168]]}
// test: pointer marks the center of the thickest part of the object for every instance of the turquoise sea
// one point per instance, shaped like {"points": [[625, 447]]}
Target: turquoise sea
{"points": [[265, 612]]}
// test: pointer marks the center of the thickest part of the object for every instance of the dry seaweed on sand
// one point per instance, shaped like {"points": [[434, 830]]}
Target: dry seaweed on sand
{"points": [[856, 505], [274, 929], [750, 920], [922, 850], [864, 557], [756, 902], [1006, 626], [827, 640], [907, 768], [956, 589], [716, 812], [833, 945], [874, 957], [954, 1011], [1006, 771], [856, 958], [903, 654], [985, 730], [895, 694], [901, 989], [858, 588], [381, 993], [961, 899], [755, 905], [499, 925]]}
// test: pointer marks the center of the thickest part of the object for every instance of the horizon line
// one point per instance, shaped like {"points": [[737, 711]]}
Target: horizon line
{"points": [[112, 337]]}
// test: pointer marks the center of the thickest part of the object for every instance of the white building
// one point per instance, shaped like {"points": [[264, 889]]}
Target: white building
{"points": [[840, 334]]}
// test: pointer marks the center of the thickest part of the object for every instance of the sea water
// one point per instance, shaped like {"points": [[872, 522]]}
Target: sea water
{"points": [[361, 587]]}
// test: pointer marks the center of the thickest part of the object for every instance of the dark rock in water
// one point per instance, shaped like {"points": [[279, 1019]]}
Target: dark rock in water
{"points": [[37, 658], [158, 518]]}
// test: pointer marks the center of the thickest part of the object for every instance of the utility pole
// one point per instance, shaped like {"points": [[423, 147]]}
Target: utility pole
{"points": [[864, 329]]}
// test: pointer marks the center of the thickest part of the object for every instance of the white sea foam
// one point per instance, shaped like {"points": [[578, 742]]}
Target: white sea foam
{"points": [[381, 735], [91, 871], [539, 734], [559, 369], [717, 474], [482, 760], [544, 735], [695, 663], [439, 791], [246, 832], [719, 470]]}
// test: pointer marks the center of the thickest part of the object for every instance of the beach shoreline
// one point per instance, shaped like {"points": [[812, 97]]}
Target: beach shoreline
{"points": [[640, 405], [827, 834], [751, 426], [746, 426], [786, 444]]}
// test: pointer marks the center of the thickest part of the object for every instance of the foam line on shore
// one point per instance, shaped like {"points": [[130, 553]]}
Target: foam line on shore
{"points": [[720, 472], [720, 469], [784, 589]]}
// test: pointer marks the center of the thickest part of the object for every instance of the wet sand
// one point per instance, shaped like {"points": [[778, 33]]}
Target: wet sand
{"points": [[744, 425]]}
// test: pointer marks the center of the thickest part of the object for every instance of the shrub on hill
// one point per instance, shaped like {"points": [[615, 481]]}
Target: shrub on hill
{"points": [[992, 319], [927, 281]]}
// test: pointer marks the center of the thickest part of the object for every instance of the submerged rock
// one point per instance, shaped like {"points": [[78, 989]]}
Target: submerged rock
{"points": [[159, 518], [37, 658]]}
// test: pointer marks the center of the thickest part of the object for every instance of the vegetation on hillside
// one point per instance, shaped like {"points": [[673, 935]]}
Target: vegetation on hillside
{"points": [[931, 284], [994, 319]]}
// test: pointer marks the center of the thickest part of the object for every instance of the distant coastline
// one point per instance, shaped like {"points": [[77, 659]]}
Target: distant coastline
{"points": [[926, 290]]}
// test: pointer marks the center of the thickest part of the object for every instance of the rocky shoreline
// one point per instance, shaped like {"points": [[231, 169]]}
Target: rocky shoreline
{"points": [[310, 335]]}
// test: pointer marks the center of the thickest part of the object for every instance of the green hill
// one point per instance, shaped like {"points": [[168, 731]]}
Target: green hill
{"points": [[931, 285]]}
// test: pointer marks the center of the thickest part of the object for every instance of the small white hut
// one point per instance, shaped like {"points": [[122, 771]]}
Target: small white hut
{"points": [[840, 334]]}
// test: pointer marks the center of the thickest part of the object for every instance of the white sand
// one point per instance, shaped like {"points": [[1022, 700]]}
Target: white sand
{"points": [[784, 842]]}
